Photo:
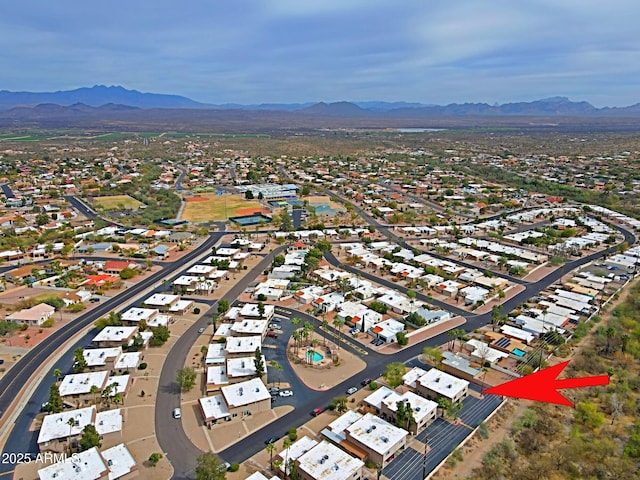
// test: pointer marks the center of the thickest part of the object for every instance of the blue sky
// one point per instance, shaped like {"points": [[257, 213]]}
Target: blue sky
{"points": [[249, 51]]}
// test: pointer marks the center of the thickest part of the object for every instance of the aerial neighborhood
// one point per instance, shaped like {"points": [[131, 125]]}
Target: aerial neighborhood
{"points": [[297, 316]]}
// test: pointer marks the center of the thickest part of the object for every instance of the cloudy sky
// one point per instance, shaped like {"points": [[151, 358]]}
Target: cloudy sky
{"points": [[249, 51]]}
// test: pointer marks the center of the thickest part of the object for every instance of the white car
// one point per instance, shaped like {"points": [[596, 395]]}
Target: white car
{"points": [[286, 393], [177, 412]]}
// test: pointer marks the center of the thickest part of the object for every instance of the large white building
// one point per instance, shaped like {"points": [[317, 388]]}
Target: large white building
{"points": [[325, 461], [378, 438]]}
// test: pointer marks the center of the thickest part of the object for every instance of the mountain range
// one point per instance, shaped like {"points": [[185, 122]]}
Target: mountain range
{"points": [[117, 98]]}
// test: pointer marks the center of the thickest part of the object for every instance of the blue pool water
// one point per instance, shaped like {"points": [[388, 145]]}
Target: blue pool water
{"points": [[315, 356], [518, 352]]}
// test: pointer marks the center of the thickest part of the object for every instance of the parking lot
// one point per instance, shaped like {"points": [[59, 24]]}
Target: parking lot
{"points": [[443, 437]]}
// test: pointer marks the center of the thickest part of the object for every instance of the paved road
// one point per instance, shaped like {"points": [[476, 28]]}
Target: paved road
{"points": [[182, 452], [82, 207], [6, 189], [22, 372], [170, 434]]}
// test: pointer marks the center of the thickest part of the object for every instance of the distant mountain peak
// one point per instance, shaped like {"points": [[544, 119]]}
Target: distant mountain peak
{"points": [[97, 96]]}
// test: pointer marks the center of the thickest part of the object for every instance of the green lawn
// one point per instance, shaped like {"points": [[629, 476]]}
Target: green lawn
{"points": [[213, 208], [117, 202]]}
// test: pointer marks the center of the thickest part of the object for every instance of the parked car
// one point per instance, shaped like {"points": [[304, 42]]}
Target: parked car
{"points": [[352, 390], [275, 326], [317, 411], [365, 382], [201, 330], [354, 331], [177, 412], [373, 341], [286, 393], [379, 342], [272, 335], [273, 390], [271, 439], [94, 300]]}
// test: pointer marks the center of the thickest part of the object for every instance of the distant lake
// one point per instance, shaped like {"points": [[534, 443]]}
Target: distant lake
{"points": [[419, 130]]}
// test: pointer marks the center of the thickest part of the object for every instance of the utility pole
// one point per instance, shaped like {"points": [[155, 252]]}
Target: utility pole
{"points": [[424, 458]]}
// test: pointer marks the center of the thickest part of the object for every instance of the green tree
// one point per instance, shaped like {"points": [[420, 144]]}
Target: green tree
{"points": [[223, 306], [587, 414], [160, 335], [341, 404], [402, 339], [79, 364], [57, 374], [277, 367], [393, 373], [210, 467], [127, 273], [261, 310], [112, 320], [270, 447], [90, 438], [54, 404], [258, 360], [434, 354], [286, 223], [154, 458], [186, 378]]}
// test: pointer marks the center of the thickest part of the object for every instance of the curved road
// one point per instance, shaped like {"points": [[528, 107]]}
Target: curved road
{"points": [[170, 434], [181, 450], [22, 372]]}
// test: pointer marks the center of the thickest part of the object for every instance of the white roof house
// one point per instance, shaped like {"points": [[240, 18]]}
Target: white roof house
{"points": [[214, 407], [56, 425], [443, 384], [217, 375], [138, 314], [119, 460], [250, 310], [249, 327], [114, 334], [412, 376], [81, 383], [215, 354], [128, 360], [245, 393], [297, 449], [161, 300], [87, 465], [236, 345], [98, 357], [241, 367], [327, 462], [387, 330], [376, 434]]}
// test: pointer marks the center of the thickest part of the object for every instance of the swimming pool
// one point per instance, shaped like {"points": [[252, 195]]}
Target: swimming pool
{"points": [[519, 353], [314, 356]]}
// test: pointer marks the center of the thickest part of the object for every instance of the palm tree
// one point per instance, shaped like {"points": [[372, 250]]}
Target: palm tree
{"points": [[451, 334], [338, 323], [325, 327], [94, 390], [484, 374], [270, 447], [57, 374], [286, 444], [296, 335]]}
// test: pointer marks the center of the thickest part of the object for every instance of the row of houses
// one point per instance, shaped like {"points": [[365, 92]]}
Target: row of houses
{"points": [[372, 434]]}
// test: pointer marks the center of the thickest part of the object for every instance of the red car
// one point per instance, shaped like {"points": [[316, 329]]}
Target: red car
{"points": [[272, 335], [317, 411]]}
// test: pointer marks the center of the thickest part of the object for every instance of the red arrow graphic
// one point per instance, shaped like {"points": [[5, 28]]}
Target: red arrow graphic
{"points": [[542, 386]]}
